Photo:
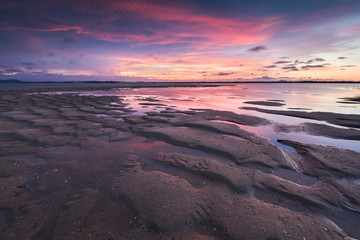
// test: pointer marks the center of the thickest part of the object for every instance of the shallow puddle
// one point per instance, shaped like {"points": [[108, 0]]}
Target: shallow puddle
{"points": [[269, 133]]}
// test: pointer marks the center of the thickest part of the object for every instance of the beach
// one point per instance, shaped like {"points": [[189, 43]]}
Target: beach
{"points": [[142, 161]]}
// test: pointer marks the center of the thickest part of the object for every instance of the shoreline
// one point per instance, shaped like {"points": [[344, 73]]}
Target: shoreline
{"points": [[109, 85]]}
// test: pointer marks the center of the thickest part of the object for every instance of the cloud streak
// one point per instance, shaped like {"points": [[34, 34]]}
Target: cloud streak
{"points": [[257, 49], [306, 67]]}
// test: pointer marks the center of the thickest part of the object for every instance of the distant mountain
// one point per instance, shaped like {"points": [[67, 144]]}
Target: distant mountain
{"points": [[10, 81]]}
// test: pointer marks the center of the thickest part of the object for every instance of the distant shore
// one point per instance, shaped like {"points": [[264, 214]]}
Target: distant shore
{"points": [[99, 85]]}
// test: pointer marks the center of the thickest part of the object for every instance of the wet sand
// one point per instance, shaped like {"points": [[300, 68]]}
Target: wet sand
{"points": [[87, 167], [350, 100], [272, 103], [347, 120]]}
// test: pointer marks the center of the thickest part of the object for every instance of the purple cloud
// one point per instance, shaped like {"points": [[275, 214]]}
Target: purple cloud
{"points": [[257, 49], [290, 68], [306, 67], [224, 73], [282, 62]]}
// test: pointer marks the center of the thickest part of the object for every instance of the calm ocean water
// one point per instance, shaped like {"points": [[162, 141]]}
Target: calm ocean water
{"points": [[308, 97], [313, 97]]}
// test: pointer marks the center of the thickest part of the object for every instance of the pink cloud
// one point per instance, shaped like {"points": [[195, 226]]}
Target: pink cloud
{"points": [[181, 24]]}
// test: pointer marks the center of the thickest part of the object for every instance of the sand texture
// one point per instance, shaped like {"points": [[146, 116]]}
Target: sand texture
{"points": [[89, 167]]}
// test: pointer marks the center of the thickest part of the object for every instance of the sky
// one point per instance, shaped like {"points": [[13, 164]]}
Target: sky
{"points": [[188, 40]]}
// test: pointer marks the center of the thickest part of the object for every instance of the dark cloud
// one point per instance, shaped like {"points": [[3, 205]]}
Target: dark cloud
{"points": [[257, 49], [282, 62], [246, 7], [270, 66], [306, 67], [40, 14], [11, 71], [318, 60], [265, 78], [223, 73], [51, 54], [346, 66], [38, 72], [29, 65], [309, 61], [341, 58], [314, 60], [290, 68]]}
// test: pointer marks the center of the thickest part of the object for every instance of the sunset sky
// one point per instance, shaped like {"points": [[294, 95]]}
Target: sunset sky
{"points": [[189, 40]]}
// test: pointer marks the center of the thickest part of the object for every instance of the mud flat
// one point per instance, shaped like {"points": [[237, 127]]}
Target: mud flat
{"points": [[89, 167]]}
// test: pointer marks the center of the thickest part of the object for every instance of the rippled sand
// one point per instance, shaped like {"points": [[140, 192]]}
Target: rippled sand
{"points": [[86, 167]]}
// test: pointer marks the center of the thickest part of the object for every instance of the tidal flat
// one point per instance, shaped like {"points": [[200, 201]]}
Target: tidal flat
{"points": [[186, 161]]}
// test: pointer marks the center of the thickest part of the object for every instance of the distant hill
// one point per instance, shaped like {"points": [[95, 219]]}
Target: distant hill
{"points": [[10, 81]]}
